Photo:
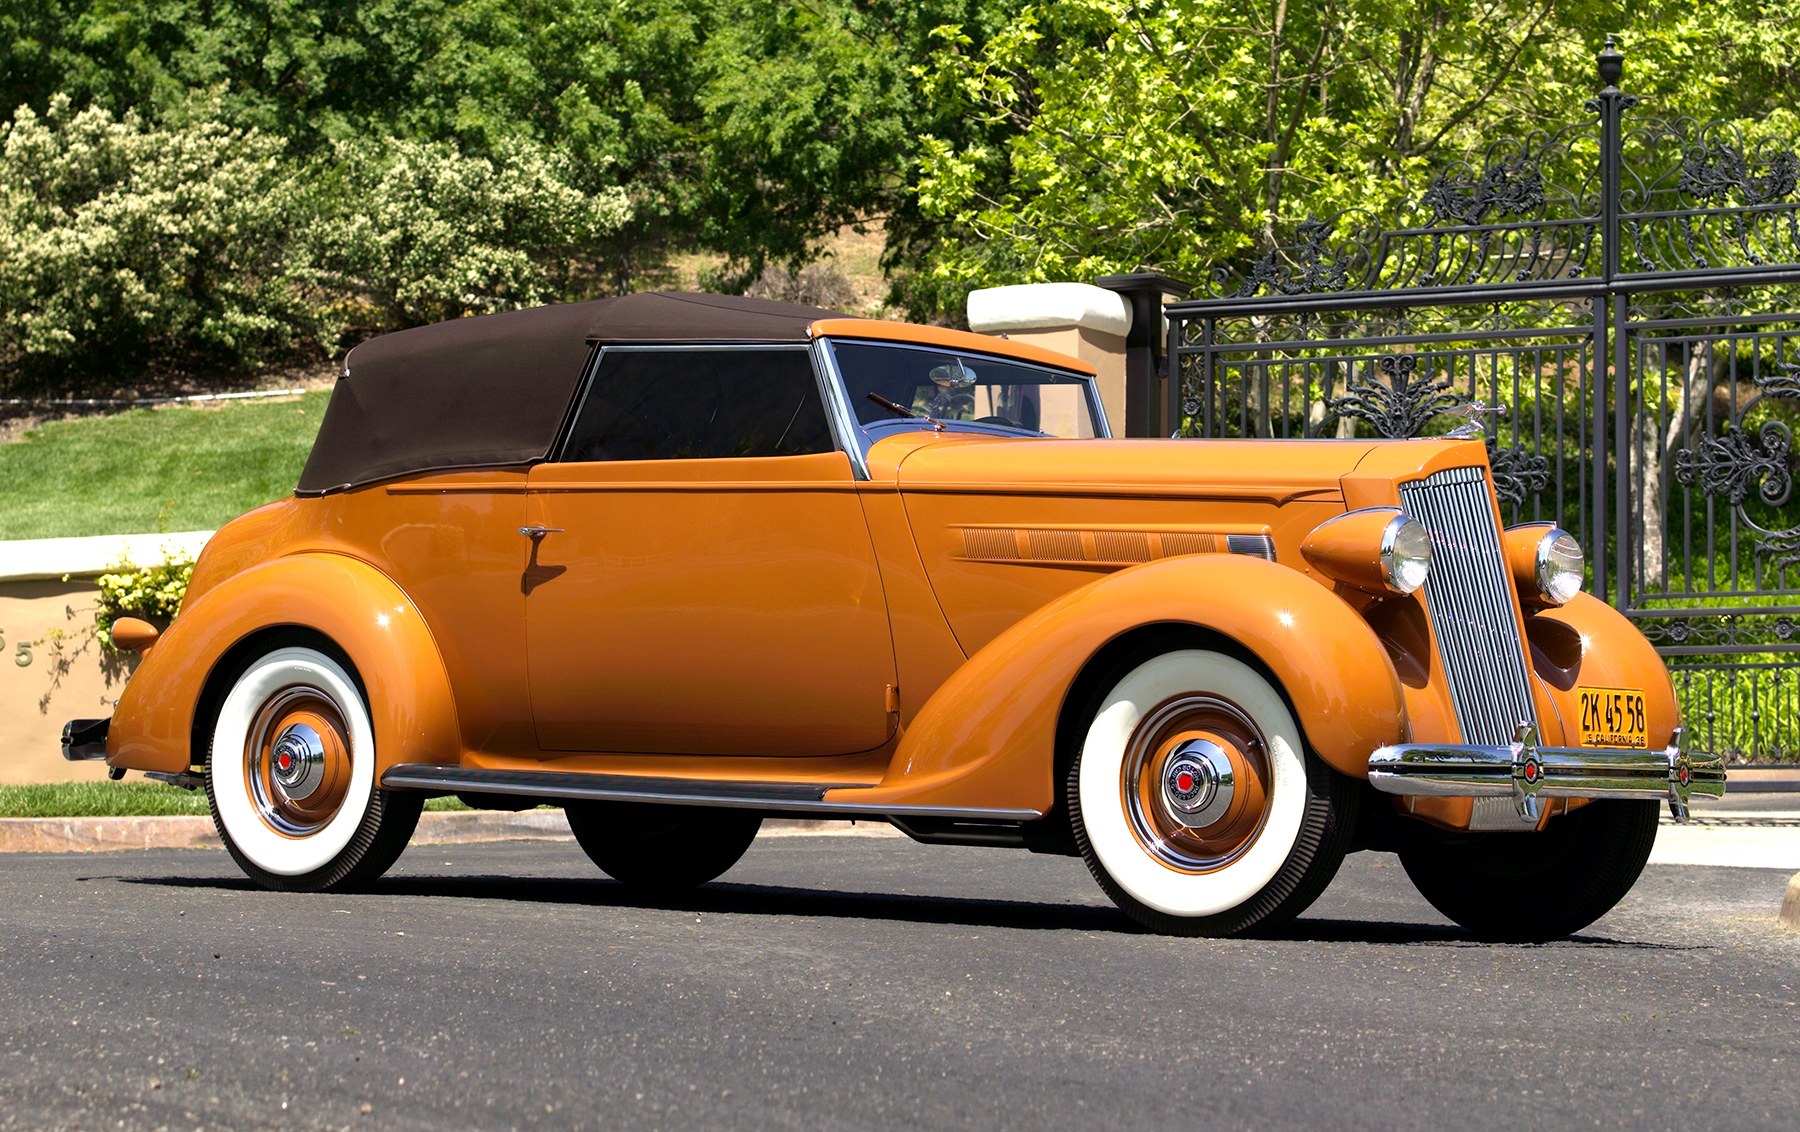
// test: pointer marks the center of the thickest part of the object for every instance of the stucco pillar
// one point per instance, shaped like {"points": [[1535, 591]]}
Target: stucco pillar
{"points": [[1088, 322]]}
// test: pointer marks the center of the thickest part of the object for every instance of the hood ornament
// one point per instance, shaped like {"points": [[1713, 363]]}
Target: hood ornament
{"points": [[1472, 429]]}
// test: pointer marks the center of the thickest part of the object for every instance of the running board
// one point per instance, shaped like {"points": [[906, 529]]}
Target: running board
{"points": [[771, 797]]}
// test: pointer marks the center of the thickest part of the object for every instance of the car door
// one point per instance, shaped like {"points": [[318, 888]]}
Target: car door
{"points": [[705, 581]]}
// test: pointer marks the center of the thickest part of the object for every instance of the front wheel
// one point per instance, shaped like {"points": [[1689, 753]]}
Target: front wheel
{"points": [[1532, 887], [661, 848], [1195, 803], [291, 776]]}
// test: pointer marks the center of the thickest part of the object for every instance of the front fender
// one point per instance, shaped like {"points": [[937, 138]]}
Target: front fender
{"points": [[348, 601], [987, 737], [1588, 642]]}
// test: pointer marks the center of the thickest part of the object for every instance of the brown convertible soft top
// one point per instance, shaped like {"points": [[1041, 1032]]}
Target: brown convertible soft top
{"points": [[493, 391]]}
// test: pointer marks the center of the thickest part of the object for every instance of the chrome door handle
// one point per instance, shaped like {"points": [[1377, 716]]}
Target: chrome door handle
{"points": [[535, 533]]}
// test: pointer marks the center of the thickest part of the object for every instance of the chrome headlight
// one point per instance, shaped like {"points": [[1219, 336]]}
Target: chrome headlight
{"points": [[1406, 554], [1559, 566], [1378, 550]]}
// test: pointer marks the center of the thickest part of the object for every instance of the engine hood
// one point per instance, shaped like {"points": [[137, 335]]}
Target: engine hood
{"points": [[1003, 526], [1272, 471]]}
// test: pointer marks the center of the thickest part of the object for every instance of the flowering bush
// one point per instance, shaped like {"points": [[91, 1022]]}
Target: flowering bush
{"points": [[122, 241], [128, 244], [153, 593], [424, 232]]}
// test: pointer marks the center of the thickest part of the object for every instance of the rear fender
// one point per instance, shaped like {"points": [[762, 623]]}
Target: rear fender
{"points": [[987, 737], [356, 606]]}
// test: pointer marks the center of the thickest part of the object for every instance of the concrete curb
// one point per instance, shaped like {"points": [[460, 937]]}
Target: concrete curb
{"points": [[100, 835], [1790, 907], [106, 835], [1762, 780]]}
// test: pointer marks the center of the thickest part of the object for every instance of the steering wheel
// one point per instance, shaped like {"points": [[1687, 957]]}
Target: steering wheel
{"points": [[1005, 421]]}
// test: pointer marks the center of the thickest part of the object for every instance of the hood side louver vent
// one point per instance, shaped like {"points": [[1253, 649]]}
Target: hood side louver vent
{"points": [[1066, 546]]}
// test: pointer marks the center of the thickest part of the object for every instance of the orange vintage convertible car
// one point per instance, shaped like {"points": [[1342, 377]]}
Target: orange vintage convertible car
{"points": [[679, 562]]}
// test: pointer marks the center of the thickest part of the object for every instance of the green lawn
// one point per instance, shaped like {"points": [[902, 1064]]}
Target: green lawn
{"points": [[98, 799], [175, 468], [120, 799]]}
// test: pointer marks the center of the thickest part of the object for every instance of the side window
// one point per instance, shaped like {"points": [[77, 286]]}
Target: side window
{"points": [[685, 404]]}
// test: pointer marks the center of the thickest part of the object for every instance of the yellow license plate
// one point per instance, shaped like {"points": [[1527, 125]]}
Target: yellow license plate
{"points": [[1612, 717]]}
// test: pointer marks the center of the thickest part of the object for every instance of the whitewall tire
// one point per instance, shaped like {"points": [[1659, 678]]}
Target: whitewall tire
{"points": [[291, 774], [1195, 802]]}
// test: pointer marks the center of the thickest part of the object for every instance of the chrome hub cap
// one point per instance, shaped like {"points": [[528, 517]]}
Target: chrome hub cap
{"points": [[1195, 782], [298, 762], [1198, 783]]}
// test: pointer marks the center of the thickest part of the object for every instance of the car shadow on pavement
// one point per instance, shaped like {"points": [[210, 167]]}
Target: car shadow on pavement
{"points": [[778, 900], [1378, 932], [716, 898]]}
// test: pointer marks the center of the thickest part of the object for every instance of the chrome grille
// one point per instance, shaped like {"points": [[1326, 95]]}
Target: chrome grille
{"points": [[1469, 597]]}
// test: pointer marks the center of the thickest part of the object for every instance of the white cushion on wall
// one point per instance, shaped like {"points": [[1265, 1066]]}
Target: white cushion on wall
{"points": [[33, 559], [1048, 306]]}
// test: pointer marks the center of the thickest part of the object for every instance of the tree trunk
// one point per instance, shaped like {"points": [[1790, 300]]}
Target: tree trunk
{"points": [[1655, 440]]}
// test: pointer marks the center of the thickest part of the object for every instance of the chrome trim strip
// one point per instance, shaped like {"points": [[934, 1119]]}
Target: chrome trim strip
{"points": [[772, 797], [850, 438], [1526, 772], [1251, 546]]}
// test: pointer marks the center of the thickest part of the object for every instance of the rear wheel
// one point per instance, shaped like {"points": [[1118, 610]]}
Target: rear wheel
{"points": [[291, 775], [661, 848], [1195, 803], [1531, 887]]}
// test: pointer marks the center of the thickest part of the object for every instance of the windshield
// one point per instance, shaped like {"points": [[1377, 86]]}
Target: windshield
{"points": [[910, 384]]}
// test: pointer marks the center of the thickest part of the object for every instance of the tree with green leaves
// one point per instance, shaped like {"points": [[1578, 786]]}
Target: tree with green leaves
{"points": [[745, 129], [1184, 135]]}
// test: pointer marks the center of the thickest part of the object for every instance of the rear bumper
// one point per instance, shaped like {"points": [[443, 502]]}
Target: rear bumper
{"points": [[1526, 772], [84, 739]]}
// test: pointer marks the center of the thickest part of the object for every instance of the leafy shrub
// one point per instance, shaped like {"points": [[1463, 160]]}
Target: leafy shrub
{"points": [[126, 244], [422, 232], [122, 241], [153, 593], [816, 284]]}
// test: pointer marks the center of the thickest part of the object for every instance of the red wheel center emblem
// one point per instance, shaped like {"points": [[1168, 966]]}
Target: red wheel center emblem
{"points": [[1184, 782], [285, 761]]}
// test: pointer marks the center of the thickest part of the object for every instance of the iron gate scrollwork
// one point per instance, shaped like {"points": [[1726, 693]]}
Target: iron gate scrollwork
{"points": [[1615, 306]]}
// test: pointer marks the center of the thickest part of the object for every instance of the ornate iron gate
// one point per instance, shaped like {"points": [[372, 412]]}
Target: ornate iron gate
{"points": [[1617, 304]]}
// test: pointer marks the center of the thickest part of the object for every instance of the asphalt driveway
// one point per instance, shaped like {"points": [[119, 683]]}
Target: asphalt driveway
{"points": [[863, 982]]}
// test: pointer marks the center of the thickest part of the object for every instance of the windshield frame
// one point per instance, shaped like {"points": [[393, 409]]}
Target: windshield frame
{"points": [[860, 436]]}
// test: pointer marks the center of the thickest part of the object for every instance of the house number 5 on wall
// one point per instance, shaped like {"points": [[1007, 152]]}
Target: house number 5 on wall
{"points": [[21, 657]]}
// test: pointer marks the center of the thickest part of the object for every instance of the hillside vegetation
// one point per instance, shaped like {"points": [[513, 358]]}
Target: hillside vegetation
{"points": [[204, 187]]}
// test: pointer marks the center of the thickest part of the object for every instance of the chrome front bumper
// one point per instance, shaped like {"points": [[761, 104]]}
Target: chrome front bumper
{"points": [[1527, 772]]}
